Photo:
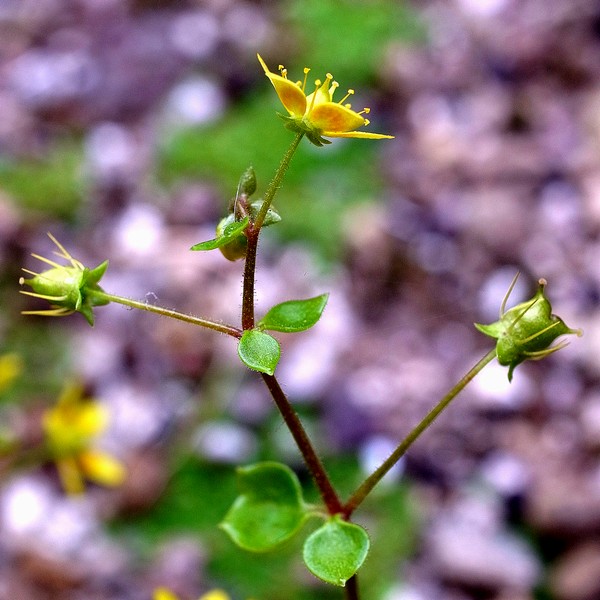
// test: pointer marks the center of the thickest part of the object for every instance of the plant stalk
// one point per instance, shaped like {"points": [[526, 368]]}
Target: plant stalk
{"points": [[367, 486], [173, 314], [313, 462], [253, 232], [351, 588]]}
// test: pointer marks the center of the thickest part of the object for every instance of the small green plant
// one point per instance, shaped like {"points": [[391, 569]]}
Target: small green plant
{"points": [[270, 508]]}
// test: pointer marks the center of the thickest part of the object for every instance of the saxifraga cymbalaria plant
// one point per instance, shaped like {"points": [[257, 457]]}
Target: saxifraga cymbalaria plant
{"points": [[270, 508]]}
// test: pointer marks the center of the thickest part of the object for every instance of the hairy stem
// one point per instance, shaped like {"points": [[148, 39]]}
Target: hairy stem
{"points": [[367, 486], [173, 314], [351, 588], [253, 232], [312, 460]]}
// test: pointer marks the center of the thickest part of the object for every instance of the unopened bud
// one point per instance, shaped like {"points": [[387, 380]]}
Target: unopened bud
{"points": [[237, 247]]}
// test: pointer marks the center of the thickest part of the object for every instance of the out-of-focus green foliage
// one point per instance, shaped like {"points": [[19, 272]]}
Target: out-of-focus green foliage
{"points": [[52, 184], [193, 505], [348, 37], [32, 344]]}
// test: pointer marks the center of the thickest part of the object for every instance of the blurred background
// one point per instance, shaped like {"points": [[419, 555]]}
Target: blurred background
{"points": [[124, 127]]}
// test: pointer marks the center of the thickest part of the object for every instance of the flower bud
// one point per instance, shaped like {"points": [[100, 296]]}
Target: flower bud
{"points": [[69, 289], [247, 183], [236, 248], [526, 331]]}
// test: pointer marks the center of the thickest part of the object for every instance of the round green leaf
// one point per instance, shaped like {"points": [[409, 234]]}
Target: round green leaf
{"points": [[335, 551], [269, 510], [294, 315], [259, 351], [230, 233]]}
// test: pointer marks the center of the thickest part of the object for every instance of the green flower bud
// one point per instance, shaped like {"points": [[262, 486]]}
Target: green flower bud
{"points": [[526, 331], [247, 183], [236, 248], [69, 289]]}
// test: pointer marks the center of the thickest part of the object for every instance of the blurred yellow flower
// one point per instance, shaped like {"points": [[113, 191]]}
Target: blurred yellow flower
{"points": [[70, 428], [165, 594], [11, 365], [317, 115]]}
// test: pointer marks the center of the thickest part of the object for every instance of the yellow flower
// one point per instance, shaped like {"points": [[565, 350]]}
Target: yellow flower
{"points": [[165, 594], [11, 365], [317, 115], [70, 428]]}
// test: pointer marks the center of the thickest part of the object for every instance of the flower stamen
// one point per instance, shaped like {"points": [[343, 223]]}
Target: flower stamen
{"points": [[348, 94], [306, 71], [44, 296], [334, 86]]}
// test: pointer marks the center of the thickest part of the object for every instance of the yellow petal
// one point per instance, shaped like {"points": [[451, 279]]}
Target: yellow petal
{"points": [[163, 594], [334, 117], [214, 595], [91, 420], [102, 468], [320, 95], [70, 476], [11, 365], [291, 96], [357, 134]]}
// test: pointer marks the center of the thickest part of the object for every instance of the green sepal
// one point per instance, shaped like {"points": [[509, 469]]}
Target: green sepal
{"points": [[269, 510], [271, 217], [230, 232], [298, 125], [336, 550], [259, 351], [294, 315], [93, 276], [493, 329]]}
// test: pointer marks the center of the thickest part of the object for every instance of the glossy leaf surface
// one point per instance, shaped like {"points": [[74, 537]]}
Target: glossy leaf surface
{"points": [[335, 551], [259, 351], [269, 510], [294, 315]]}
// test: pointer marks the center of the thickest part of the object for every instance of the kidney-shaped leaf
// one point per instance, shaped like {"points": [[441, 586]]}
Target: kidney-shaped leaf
{"points": [[269, 510], [336, 550], [294, 315], [230, 233], [259, 351]]}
